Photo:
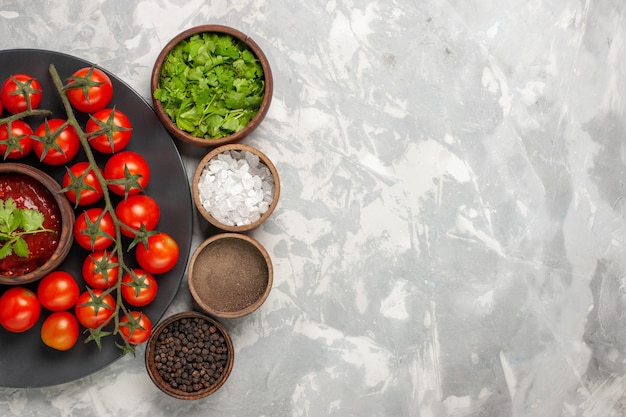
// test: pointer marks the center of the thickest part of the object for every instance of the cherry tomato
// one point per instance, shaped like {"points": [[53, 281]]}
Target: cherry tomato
{"points": [[101, 269], [93, 90], [117, 131], [135, 327], [160, 256], [20, 92], [94, 308], [60, 330], [129, 171], [58, 291], [94, 229], [139, 288], [136, 211], [19, 309], [54, 144], [15, 139], [80, 179]]}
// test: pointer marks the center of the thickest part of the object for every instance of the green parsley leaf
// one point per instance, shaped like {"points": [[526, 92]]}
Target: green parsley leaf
{"points": [[205, 83], [31, 220], [20, 247], [15, 223], [5, 250]]}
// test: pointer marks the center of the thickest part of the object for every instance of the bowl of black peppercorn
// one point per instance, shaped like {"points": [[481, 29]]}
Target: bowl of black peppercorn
{"points": [[189, 355]]}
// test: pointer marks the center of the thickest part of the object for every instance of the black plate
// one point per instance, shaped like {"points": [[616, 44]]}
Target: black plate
{"points": [[24, 360]]}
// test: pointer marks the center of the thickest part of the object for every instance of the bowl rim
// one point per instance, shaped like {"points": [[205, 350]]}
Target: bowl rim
{"points": [[196, 194], [170, 125], [246, 310], [67, 222], [156, 377]]}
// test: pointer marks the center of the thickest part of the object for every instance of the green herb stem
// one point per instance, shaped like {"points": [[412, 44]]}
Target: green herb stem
{"points": [[15, 235]]}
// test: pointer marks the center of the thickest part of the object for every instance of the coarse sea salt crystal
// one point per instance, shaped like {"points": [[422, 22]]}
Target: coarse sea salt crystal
{"points": [[236, 187]]}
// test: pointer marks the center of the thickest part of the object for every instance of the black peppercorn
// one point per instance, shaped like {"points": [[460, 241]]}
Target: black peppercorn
{"points": [[190, 354]]}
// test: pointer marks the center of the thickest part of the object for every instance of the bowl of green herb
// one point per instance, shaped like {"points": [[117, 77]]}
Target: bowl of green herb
{"points": [[36, 222], [211, 85]]}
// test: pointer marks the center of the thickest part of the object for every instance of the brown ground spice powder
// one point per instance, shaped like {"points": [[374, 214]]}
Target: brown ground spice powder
{"points": [[231, 274]]}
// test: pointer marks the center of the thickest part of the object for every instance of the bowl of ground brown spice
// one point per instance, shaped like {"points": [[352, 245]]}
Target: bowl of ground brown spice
{"points": [[230, 275], [189, 355]]}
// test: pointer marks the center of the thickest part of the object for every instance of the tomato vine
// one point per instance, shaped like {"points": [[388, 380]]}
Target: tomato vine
{"points": [[97, 333], [121, 318]]}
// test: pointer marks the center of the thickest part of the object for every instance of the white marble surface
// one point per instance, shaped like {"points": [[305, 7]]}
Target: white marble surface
{"points": [[451, 236]]}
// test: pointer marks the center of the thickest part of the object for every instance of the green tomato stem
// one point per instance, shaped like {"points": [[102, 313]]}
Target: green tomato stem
{"points": [[24, 114], [117, 288]]}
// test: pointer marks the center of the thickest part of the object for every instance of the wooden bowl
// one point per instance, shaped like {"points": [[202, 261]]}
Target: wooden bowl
{"points": [[201, 384], [67, 221], [254, 122], [206, 213], [230, 275]]}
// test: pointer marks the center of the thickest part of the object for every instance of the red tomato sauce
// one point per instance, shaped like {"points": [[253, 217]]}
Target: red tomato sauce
{"points": [[29, 193]]}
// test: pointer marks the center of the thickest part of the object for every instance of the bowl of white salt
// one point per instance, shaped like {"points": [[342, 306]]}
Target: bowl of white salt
{"points": [[236, 187]]}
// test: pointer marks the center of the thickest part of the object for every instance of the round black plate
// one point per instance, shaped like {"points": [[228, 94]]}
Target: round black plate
{"points": [[24, 360]]}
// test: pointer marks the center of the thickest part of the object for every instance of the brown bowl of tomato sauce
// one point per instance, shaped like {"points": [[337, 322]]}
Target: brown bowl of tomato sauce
{"points": [[36, 222]]}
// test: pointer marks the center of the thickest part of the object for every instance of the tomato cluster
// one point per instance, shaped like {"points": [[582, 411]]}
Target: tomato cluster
{"points": [[126, 212]]}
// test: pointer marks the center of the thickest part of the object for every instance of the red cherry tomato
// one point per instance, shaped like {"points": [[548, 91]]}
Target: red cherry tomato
{"points": [[19, 309], [94, 229], [94, 308], [58, 291], [136, 211], [130, 166], [101, 269], [117, 127], [161, 254], [60, 330], [93, 91], [135, 327], [80, 179], [139, 288], [54, 144], [20, 92], [15, 139]]}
